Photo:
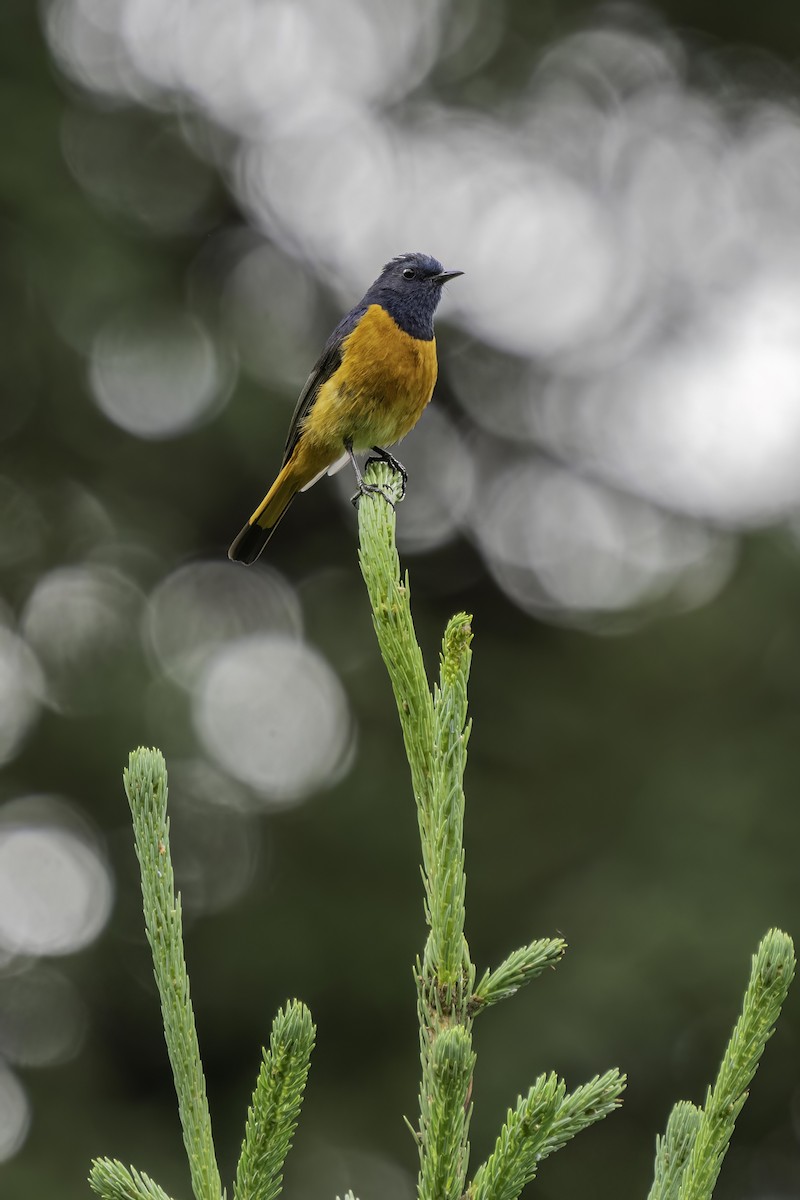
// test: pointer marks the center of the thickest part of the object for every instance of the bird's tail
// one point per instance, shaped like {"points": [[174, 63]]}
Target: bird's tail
{"points": [[248, 544]]}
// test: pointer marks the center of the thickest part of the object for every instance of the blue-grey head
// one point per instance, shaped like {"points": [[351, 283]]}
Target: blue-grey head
{"points": [[410, 287]]}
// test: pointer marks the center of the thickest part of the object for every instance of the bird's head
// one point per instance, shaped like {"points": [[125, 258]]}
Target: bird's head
{"points": [[410, 287]]}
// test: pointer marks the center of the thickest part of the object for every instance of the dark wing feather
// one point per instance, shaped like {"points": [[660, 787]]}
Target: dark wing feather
{"points": [[326, 365]]}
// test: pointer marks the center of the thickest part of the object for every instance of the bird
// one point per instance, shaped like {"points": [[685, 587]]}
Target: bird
{"points": [[367, 390]]}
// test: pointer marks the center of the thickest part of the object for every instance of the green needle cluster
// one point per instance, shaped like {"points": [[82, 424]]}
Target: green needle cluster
{"points": [[450, 994], [278, 1094], [436, 731], [689, 1156]]}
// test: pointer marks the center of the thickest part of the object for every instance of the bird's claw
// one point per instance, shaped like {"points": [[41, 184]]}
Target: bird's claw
{"points": [[372, 488], [380, 455]]}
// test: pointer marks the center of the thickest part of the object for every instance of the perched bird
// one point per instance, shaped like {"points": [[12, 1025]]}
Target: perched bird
{"points": [[367, 390]]}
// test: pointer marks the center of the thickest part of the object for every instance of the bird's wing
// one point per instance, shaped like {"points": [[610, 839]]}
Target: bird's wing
{"points": [[326, 365]]}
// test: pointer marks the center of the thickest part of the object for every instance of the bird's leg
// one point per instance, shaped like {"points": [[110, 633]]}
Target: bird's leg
{"points": [[363, 487], [381, 455]]}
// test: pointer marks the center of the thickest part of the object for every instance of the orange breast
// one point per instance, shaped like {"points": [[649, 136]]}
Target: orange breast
{"points": [[379, 391]]}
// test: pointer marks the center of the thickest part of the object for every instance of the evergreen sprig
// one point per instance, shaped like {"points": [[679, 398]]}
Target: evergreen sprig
{"points": [[272, 1118], [773, 967], [446, 957], [673, 1150], [436, 731], [445, 1114], [146, 788], [389, 598], [514, 972], [111, 1180], [543, 1121]]}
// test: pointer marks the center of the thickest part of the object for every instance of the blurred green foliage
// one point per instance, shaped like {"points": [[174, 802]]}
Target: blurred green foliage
{"points": [[635, 793]]}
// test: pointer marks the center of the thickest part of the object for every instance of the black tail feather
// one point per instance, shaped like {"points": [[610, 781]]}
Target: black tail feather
{"points": [[249, 542]]}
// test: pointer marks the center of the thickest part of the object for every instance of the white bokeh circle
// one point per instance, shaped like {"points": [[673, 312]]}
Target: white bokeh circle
{"points": [[272, 712], [15, 1113], [158, 375], [55, 888]]}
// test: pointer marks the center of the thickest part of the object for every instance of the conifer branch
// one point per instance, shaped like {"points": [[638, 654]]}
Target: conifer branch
{"points": [[435, 732], [435, 736], [146, 789], [445, 1115], [543, 1121], [773, 967], [112, 1181], [446, 958], [389, 597], [519, 968], [673, 1150], [272, 1119]]}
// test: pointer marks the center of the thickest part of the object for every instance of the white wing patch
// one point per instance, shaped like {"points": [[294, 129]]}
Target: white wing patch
{"points": [[331, 470], [337, 466]]}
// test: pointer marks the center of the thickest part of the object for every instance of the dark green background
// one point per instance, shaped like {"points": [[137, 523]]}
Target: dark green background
{"points": [[634, 793]]}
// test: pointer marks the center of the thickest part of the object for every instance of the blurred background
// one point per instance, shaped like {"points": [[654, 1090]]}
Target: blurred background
{"points": [[191, 194]]}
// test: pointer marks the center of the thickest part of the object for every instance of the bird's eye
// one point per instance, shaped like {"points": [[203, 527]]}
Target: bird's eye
{"points": [[409, 273]]}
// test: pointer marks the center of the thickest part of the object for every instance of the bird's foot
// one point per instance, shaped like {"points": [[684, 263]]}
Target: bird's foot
{"points": [[372, 489], [381, 455]]}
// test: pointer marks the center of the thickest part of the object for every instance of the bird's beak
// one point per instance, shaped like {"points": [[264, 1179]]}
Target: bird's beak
{"points": [[443, 276]]}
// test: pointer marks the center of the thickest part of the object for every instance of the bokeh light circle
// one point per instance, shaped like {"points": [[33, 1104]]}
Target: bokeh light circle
{"points": [[79, 621], [203, 604], [22, 523], [560, 544], [15, 1113], [274, 342], [566, 282], [42, 1017], [157, 375], [208, 807], [56, 890], [272, 712], [21, 692]]}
